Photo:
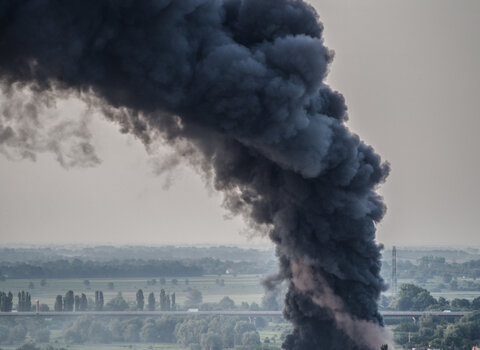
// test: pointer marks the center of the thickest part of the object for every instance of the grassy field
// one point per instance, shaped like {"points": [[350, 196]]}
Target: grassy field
{"points": [[432, 286], [240, 288]]}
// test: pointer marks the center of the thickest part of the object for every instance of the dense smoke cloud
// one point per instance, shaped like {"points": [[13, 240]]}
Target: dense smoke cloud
{"points": [[236, 86]]}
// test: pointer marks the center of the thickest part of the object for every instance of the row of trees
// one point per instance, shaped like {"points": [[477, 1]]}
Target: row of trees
{"points": [[167, 302], [163, 281], [6, 301], [24, 301], [412, 297], [127, 268], [109, 253], [118, 303], [71, 302], [83, 269]]}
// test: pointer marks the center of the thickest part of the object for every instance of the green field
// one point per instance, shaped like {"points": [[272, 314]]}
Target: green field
{"points": [[240, 288], [432, 284]]}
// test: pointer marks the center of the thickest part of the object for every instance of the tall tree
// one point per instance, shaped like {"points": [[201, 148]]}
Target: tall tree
{"points": [[140, 300], [167, 303], [58, 304], [151, 302], [28, 302], [10, 302], [227, 303], [83, 302], [99, 300], [412, 297], [117, 303], [96, 299], [24, 301], [77, 303], [6, 301], [68, 301], [19, 306], [194, 298], [163, 300], [3, 298]]}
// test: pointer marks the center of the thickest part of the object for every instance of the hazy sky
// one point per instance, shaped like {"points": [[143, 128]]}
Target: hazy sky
{"points": [[409, 72]]}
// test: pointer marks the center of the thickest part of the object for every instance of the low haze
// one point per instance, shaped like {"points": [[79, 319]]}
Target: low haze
{"points": [[408, 72]]}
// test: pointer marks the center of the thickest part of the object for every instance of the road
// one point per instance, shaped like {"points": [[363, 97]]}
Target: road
{"points": [[214, 313]]}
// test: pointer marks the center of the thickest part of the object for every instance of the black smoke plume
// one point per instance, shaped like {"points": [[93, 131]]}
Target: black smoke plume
{"points": [[238, 87]]}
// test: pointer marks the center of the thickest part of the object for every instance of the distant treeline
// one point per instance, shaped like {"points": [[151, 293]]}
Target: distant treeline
{"points": [[429, 267], [450, 255], [77, 268], [108, 253]]}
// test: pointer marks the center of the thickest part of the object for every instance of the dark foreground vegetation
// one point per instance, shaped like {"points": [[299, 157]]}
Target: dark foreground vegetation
{"points": [[439, 333], [430, 331], [202, 333]]}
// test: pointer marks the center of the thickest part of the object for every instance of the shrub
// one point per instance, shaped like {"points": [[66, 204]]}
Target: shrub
{"points": [[42, 335]]}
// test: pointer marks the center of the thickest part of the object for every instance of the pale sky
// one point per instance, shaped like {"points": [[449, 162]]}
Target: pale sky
{"points": [[409, 72]]}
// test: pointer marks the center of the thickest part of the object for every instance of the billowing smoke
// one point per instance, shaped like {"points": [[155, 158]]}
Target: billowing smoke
{"points": [[237, 86], [30, 123]]}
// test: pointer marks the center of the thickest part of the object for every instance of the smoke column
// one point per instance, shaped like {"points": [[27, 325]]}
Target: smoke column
{"points": [[237, 87]]}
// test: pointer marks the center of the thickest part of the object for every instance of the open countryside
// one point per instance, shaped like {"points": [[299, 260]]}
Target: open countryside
{"points": [[433, 294]]}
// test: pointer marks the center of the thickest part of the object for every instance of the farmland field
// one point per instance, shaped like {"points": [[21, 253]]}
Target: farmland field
{"points": [[240, 288]]}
